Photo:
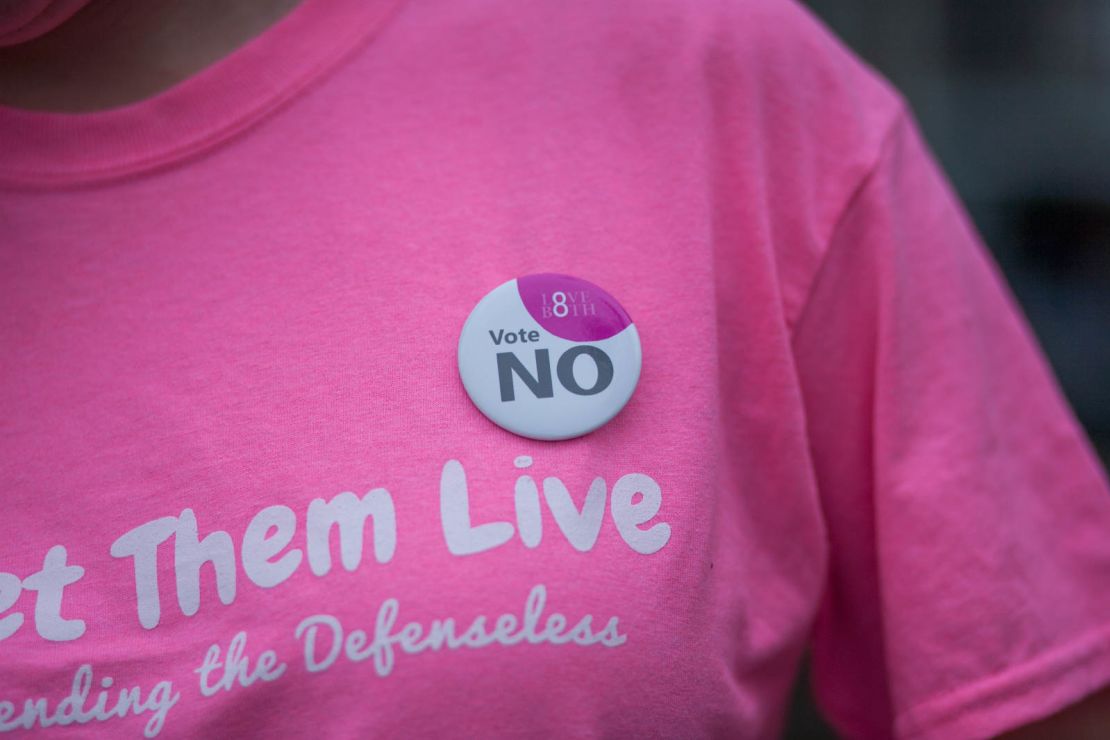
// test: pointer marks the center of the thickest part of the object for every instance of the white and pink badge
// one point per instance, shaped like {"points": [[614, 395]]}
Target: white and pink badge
{"points": [[549, 356]]}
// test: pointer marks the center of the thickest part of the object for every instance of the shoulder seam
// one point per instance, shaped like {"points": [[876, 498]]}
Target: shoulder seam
{"points": [[900, 117]]}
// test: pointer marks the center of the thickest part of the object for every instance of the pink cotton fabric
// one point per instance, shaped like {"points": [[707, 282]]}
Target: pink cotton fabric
{"points": [[230, 312]]}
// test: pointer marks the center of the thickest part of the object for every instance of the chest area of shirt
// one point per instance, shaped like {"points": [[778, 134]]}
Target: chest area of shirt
{"points": [[260, 464]]}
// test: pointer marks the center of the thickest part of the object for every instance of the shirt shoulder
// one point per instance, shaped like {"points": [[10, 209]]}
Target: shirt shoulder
{"points": [[794, 120]]}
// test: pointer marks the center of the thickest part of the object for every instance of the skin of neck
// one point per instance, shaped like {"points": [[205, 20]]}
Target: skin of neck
{"points": [[115, 52]]}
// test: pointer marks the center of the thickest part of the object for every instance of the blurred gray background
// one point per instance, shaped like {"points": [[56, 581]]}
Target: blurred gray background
{"points": [[1014, 98]]}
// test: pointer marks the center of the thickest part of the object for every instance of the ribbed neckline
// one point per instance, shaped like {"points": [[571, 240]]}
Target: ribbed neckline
{"points": [[43, 149]]}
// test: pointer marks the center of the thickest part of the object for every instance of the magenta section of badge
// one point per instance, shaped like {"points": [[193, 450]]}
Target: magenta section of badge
{"points": [[572, 308]]}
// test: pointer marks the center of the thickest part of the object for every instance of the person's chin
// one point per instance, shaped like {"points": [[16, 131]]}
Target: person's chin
{"points": [[24, 20]]}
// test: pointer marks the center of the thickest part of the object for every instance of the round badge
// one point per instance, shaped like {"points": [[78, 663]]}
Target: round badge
{"points": [[549, 356]]}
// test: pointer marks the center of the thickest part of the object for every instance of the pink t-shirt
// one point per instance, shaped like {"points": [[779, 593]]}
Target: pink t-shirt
{"points": [[244, 492]]}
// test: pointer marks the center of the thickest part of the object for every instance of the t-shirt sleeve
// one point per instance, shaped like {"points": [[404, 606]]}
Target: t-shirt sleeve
{"points": [[968, 519]]}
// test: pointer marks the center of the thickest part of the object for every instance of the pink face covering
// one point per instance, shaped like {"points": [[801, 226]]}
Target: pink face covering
{"points": [[23, 20]]}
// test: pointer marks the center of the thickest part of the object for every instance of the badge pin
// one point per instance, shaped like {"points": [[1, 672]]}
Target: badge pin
{"points": [[549, 356]]}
